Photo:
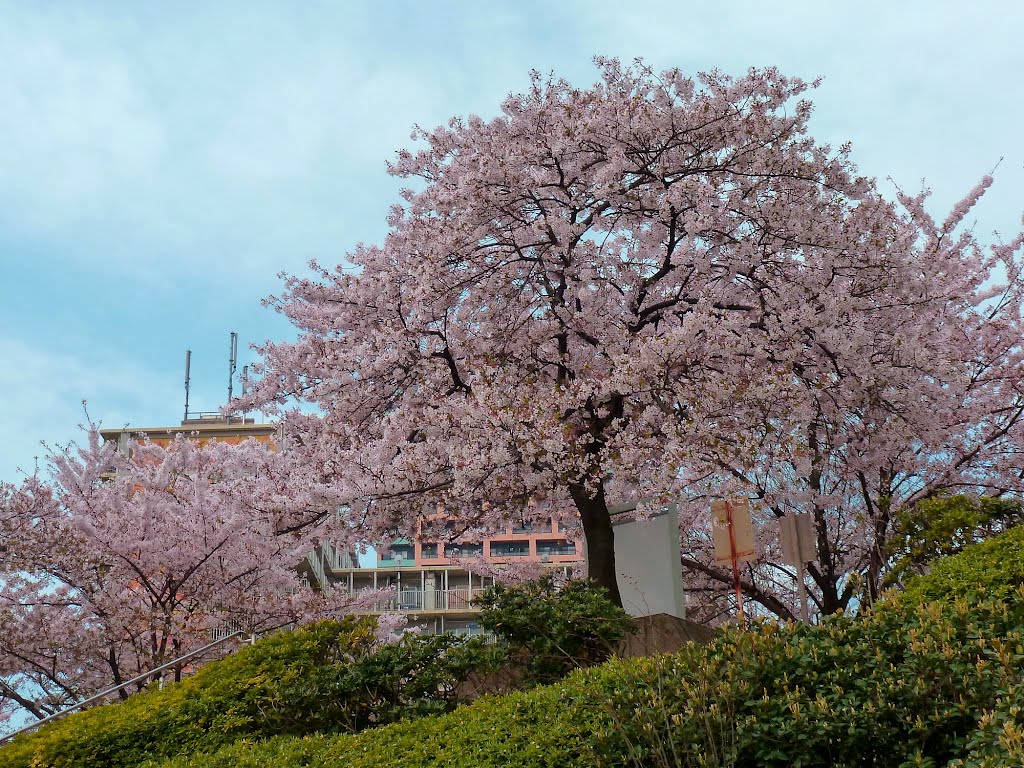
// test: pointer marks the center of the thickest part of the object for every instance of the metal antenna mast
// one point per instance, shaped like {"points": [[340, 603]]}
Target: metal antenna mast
{"points": [[245, 385], [188, 370], [232, 363]]}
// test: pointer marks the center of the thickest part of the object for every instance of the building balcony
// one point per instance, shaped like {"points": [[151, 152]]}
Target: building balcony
{"points": [[457, 600], [503, 549], [556, 548]]}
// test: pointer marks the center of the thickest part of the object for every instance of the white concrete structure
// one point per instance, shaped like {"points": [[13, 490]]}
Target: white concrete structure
{"points": [[647, 563]]}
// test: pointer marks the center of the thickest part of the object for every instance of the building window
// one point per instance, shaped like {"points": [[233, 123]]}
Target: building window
{"points": [[428, 551], [400, 552], [510, 548], [464, 549], [556, 547]]}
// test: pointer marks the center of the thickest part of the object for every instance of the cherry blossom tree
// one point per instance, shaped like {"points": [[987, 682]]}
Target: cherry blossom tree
{"points": [[115, 565], [586, 300], [923, 397]]}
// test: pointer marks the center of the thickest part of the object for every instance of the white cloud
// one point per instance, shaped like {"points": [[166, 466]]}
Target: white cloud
{"points": [[158, 164], [924, 91], [75, 128], [125, 142], [42, 396]]}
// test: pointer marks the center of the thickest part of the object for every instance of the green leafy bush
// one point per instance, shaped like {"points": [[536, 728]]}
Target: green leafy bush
{"points": [[993, 568], [553, 630], [886, 689], [331, 676], [912, 682], [999, 740], [541, 727], [946, 525], [419, 675], [901, 687]]}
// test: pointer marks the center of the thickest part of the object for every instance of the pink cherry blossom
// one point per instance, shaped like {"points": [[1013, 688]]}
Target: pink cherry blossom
{"points": [[658, 286], [114, 565]]}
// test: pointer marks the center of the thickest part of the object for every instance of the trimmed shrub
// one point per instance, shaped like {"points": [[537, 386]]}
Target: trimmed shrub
{"points": [[553, 630], [892, 689], [910, 683], [330, 676], [946, 525], [999, 740], [993, 568], [526, 730]]}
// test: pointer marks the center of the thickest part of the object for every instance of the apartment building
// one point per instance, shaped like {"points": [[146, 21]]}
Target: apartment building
{"points": [[433, 582], [202, 429]]}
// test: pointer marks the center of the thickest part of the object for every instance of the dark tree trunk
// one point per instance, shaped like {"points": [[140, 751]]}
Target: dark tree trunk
{"points": [[597, 528], [27, 704], [112, 661], [824, 571]]}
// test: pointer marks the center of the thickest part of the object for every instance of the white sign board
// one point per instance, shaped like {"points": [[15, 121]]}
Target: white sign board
{"points": [[799, 544], [733, 530]]}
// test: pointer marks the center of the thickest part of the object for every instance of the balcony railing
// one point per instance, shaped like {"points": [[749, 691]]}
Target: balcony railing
{"points": [[548, 551], [228, 629], [474, 631], [467, 550], [415, 600]]}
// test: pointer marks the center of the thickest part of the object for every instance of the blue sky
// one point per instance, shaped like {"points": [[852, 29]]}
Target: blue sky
{"points": [[160, 163]]}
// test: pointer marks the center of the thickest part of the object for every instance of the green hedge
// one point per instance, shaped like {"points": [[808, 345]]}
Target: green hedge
{"points": [[539, 728], [900, 687], [516, 730], [919, 681], [330, 676], [989, 569], [928, 678], [946, 525], [999, 741], [553, 629]]}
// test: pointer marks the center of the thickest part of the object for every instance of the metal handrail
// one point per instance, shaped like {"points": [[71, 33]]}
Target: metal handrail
{"points": [[416, 600], [134, 680]]}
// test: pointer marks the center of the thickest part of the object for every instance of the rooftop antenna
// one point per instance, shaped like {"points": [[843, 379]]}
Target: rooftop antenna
{"points": [[188, 369], [245, 386], [232, 363]]}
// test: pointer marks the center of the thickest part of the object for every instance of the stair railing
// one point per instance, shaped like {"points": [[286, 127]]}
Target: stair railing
{"points": [[137, 678]]}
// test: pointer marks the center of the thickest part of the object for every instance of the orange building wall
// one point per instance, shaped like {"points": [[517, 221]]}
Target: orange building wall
{"points": [[553, 532]]}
